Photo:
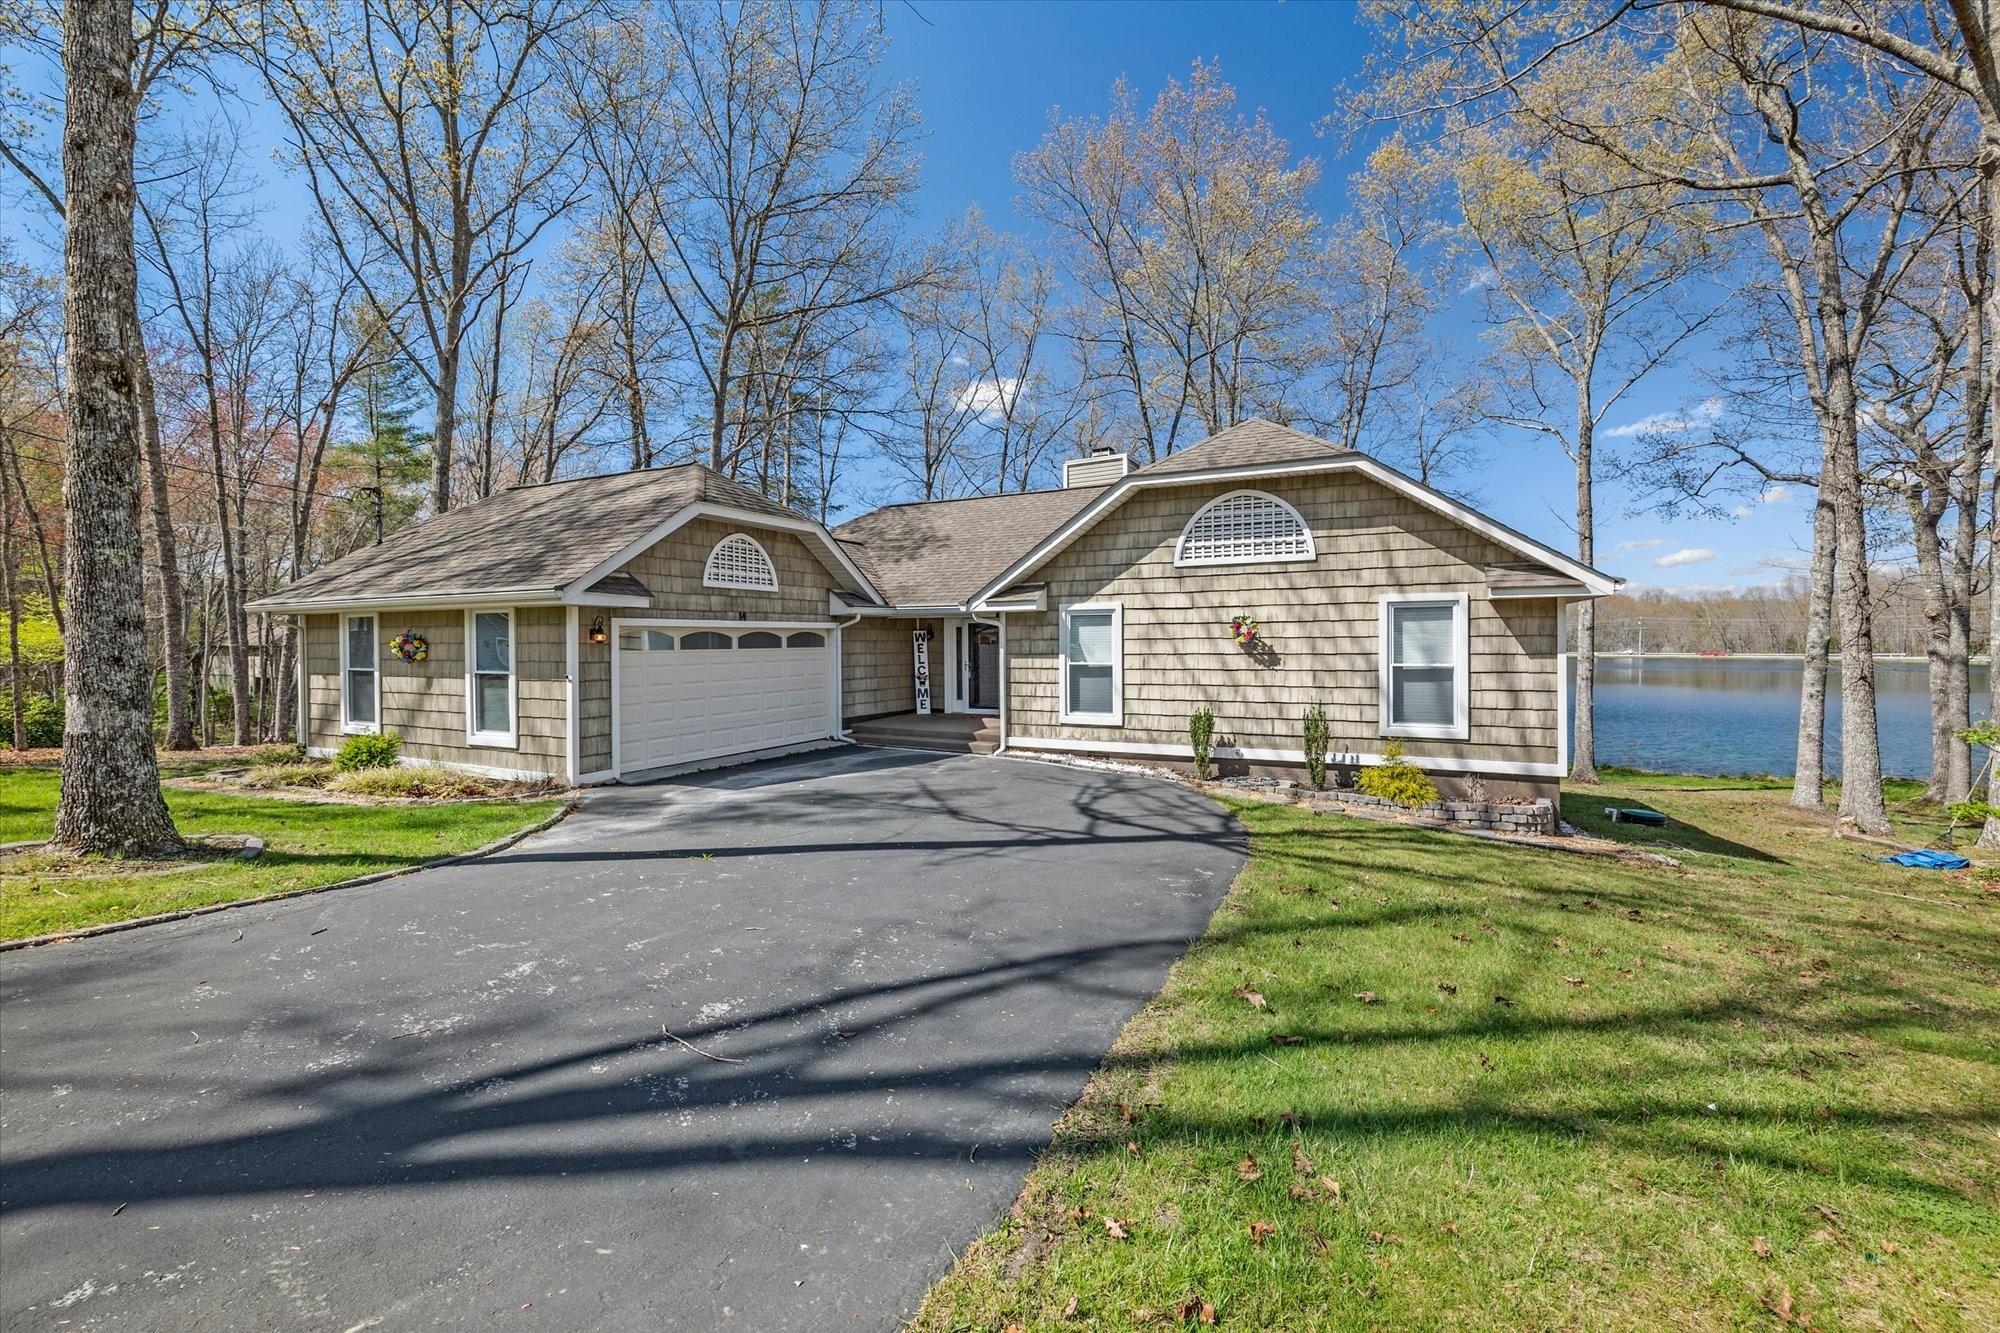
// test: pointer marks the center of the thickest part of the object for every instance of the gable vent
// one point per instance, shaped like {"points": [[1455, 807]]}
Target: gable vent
{"points": [[739, 561]]}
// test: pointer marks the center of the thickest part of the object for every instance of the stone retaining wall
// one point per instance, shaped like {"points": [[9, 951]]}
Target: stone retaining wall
{"points": [[1538, 817]]}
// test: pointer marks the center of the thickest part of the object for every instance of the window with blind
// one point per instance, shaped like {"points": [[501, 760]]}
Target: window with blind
{"points": [[490, 678], [360, 693], [1244, 528], [1424, 651], [1093, 665]]}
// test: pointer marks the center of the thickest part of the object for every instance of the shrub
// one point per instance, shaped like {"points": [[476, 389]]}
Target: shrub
{"points": [[282, 752], [1397, 779], [288, 775], [432, 781], [1201, 734], [359, 752], [44, 717], [1316, 738]]}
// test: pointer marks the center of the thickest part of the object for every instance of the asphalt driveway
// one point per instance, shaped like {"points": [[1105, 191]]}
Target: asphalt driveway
{"points": [[447, 1099]]}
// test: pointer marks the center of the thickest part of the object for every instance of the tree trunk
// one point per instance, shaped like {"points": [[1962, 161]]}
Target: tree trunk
{"points": [[1809, 769], [1989, 191], [1940, 638], [1861, 797], [173, 598], [1583, 740], [16, 705], [110, 800]]}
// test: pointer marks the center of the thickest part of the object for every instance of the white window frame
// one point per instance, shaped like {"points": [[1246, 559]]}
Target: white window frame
{"points": [[1183, 561], [1116, 717], [709, 579], [348, 726], [1460, 727], [495, 740]]}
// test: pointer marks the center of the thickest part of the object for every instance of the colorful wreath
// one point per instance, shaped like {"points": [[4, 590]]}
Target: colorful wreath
{"points": [[1243, 629], [410, 646]]}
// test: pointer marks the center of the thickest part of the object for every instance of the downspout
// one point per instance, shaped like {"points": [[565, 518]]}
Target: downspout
{"points": [[839, 673]]}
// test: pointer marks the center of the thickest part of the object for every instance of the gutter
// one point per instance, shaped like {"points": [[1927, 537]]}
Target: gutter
{"points": [[839, 657]]}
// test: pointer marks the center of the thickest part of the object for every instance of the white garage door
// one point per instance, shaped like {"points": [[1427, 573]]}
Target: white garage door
{"points": [[687, 694]]}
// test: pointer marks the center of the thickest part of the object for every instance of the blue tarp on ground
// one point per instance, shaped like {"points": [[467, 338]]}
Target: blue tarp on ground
{"points": [[1929, 860]]}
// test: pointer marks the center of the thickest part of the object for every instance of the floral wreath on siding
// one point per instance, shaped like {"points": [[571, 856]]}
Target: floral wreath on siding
{"points": [[1243, 628], [411, 647]]}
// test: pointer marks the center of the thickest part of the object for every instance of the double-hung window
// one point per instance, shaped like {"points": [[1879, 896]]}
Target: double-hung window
{"points": [[1093, 665], [490, 677], [1424, 652], [360, 685]]}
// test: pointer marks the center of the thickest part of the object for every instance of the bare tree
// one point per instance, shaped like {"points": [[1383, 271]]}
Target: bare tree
{"points": [[110, 800], [431, 133]]}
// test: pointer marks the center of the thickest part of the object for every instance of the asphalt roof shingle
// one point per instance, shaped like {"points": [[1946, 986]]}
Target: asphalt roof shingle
{"points": [[528, 538], [1251, 443], [942, 552]]}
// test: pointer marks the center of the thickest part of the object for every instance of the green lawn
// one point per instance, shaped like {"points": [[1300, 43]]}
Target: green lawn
{"points": [[304, 845], [1762, 1092]]}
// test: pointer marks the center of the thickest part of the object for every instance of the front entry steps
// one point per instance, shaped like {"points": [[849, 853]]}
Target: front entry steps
{"points": [[949, 733]]}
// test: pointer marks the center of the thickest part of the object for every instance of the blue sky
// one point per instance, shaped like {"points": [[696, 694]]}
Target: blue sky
{"points": [[986, 75]]}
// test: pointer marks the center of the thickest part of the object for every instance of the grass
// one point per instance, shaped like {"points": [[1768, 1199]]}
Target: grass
{"points": [[305, 845], [1761, 1091]]}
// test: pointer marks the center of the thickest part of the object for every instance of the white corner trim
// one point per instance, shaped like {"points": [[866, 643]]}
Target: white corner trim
{"points": [[492, 740], [572, 692], [1254, 754], [1116, 717], [1460, 727], [1183, 561], [1562, 687], [1598, 583]]}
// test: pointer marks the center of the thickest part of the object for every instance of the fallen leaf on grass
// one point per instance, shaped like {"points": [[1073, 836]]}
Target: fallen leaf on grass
{"points": [[1069, 1311], [1286, 1039], [1116, 1229], [1261, 1231], [1447, 988], [1384, 1238], [1577, 982], [1317, 1241], [1760, 1247], [1501, 999], [1331, 1186], [1247, 1169], [1489, 929], [1484, 1063], [1368, 997], [1782, 1308], [1462, 939], [1132, 1146], [1194, 1307], [1558, 942], [1290, 1119], [1250, 997], [1448, 1228], [1301, 1164], [1079, 1214], [1124, 1113]]}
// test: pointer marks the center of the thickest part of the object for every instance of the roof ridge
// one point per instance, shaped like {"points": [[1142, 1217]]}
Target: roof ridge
{"points": [[593, 476], [967, 499]]}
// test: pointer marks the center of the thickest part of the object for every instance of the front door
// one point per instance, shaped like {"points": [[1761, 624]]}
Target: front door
{"points": [[982, 667]]}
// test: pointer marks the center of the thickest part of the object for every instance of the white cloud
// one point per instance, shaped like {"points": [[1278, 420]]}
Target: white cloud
{"points": [[1708, 410], [1480, 280], [988, 398], [1687, 555], [1742, 511], [1648, 544], [1775, 494]]}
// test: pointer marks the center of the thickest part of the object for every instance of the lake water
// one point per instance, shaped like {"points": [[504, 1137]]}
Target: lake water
{"points": [[1741, 715]]}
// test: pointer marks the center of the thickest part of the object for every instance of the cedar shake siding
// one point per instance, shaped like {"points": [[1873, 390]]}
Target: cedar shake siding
{"points": [[878, 667], [671, 570], [1320, 623], [424, 702]]}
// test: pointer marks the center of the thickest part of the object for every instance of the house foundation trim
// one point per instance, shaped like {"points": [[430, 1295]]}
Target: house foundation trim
{"points": [[1256, 755]]}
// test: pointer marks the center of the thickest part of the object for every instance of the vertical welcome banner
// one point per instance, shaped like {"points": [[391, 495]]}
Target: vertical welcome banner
{"points": [[922, 641]]}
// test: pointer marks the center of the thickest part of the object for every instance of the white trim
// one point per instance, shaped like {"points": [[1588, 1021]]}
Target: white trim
{"points": [[1562, 687], [655, 622], [572, 691], [491, 740], [1566, 592], [1116, 717], [305, 683], [1253, 754], [708, 574], [420, 601], [601, 775], [1460, 726], [576, 591], [477, 770], [348, 728], [958, 699], [1599, 584], [1001, 616], [1181, 561], [1039, 602]]}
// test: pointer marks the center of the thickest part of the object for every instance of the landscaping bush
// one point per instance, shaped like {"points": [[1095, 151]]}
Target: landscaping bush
{"points": [[1397, 779], [1201, 734], [360, 752], [1316, 738], [44, 717], [278, 753], [289, 775]]}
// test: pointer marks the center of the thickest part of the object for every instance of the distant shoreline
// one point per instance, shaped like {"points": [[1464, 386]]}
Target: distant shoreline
{"points": [[1763, 657]]}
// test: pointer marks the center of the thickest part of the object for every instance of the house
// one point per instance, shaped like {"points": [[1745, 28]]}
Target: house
{"points": [[610, 627]]}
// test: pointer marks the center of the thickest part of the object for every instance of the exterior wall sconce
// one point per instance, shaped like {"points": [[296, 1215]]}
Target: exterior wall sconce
{"points": [[597, 631]]}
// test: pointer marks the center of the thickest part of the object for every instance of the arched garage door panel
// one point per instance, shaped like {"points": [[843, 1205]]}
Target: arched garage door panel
{"points": [[680, 702]]}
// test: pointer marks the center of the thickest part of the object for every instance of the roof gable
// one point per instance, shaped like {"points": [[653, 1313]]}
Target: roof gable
{"points": [[941, 552]]}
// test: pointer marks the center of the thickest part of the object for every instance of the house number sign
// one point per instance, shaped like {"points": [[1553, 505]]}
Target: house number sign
{"points": [[923, 649]]}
